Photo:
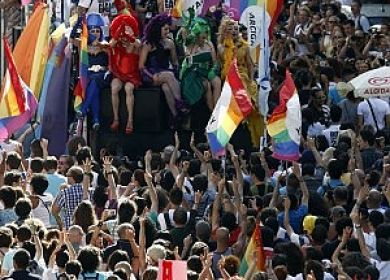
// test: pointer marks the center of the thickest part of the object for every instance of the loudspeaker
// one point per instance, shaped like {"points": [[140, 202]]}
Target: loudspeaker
{"points": [[150, 110]]}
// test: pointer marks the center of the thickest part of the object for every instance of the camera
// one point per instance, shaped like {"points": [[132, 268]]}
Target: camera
{"points": [[280, 35]]}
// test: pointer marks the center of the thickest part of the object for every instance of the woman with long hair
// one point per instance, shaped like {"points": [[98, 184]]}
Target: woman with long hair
{"points": [[157, 55], [84, 215]]}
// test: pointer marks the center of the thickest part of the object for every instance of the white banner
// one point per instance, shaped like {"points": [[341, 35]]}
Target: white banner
{"points": [[252, 18], [374, 83]]}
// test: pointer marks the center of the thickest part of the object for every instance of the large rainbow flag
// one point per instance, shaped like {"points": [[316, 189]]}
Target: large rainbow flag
{"points": [[81, 87], [31, 50], [18, 104], [255, 245], [232, 107], [284, 125]]}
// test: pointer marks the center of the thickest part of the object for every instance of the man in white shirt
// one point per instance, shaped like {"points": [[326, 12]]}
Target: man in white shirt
{"points": [[332, 132], [380, 109]]}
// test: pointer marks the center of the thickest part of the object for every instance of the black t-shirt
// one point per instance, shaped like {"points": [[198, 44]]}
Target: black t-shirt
{"points": [[121, 244], [329, 247]]}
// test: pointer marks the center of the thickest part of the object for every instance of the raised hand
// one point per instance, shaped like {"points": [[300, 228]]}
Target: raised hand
{"points": [[221, 185], [44, 143], [177, 140], [87, 165], [311, 143], [198, 197], [287, 203], [148, 156], [363, 193], [192, 141], [107, 164], [148, 178], [296, 169]]}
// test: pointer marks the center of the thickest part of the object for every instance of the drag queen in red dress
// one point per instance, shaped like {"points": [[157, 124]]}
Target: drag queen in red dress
{"points": [[124, 58]]}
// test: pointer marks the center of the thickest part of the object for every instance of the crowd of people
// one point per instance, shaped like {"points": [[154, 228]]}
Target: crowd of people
{"points": [[107, 216]]}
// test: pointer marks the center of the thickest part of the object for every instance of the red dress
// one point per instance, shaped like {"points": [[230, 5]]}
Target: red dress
{"points": [[124, 65]]}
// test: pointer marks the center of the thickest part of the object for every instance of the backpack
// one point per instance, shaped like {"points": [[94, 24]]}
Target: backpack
{"points": [[96, 277], [167, 221], [35, 268]]}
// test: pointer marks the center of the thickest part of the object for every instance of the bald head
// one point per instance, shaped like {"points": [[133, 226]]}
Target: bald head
{"points": [[222, 235], [75, 234], [203, 230], [374, 199]]}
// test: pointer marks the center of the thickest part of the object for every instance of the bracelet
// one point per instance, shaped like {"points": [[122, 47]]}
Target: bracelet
{"points": [[88, 173], [110, 173]]}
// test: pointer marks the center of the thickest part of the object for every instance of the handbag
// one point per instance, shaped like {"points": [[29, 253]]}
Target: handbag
{"points": [[385, 132]]}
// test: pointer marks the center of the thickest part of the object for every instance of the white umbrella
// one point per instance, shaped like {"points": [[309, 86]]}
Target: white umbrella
{"points": [[372, 83]]}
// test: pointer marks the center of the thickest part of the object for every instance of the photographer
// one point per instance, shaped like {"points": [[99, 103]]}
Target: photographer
{"points": [[377, 44]]}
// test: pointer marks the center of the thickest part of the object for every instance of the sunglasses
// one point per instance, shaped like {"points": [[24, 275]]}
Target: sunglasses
{"points": [[94, 31]]}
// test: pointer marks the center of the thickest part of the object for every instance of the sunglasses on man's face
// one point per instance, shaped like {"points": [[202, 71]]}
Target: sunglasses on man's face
{"points": [[94, 31]]}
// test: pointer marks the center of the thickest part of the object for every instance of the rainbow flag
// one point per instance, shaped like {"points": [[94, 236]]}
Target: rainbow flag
{"points": [[284, 124], [232, 107], [255, 245], [81, 87], [18, 104], [31, 50]]}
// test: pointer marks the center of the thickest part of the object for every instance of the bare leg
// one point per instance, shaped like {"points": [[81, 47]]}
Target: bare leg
{"points": [[129, 89], [169, 79], [208, 95], [216, 85], [169, 98], [116, 86]]}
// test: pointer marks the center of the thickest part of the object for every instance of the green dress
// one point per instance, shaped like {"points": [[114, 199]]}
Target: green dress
{"points": [[195, 69]]}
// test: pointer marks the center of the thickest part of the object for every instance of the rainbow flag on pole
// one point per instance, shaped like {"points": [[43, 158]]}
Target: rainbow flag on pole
{"points": [[81, 87], [18, 103], [232, 107], [255, 245], [32, 49], [284, 125]]}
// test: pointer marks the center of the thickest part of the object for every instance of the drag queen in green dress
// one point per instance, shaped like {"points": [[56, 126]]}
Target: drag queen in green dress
{"points": [[199, 73]]}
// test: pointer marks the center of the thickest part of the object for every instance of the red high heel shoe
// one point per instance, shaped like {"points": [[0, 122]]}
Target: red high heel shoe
{"points": [[129, 129], [115, 126]]}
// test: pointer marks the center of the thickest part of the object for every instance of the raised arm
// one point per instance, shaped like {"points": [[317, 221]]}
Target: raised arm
{"points": [[286, 222], [142, 241], [275, 193], [108, 170], [346, 236], [312, 146], [355, 216], [217, 205], [183, 174], [302, 184], [172, 162], [148, 161], [152, 192], [87, 168]]}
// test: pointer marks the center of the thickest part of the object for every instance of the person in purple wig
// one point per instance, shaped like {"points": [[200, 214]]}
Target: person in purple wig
{"points": [[158, 62]]}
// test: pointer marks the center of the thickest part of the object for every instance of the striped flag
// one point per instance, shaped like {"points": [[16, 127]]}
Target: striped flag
{"points": [[284, 125], [255, 245], [18, 103], [232, 107], [32, 48], [81, 87]]}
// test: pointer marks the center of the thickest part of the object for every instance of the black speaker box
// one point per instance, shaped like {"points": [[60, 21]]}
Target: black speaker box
{"points": [[150, 110]]}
